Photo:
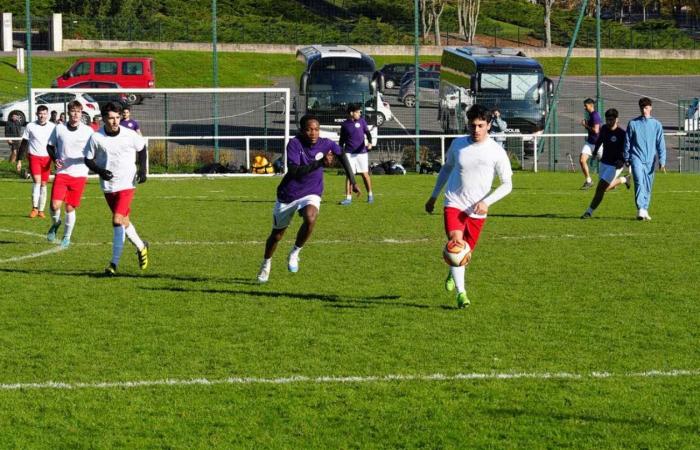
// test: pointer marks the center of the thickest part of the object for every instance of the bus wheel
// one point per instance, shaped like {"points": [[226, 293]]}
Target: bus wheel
{"points": [[410, 101]]}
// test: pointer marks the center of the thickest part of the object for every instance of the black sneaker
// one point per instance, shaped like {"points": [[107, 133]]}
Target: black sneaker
{"points": [[143, 256], [586, 215], [111, 270], [587, 185], [628, 181]]}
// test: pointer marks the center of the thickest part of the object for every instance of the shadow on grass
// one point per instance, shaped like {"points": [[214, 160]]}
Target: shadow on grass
{"points": [[98, 273], [335, 301]]}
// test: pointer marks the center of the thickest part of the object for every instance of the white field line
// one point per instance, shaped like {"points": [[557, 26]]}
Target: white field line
{"points": [[32, 255], [300, 379], [638, 94]]}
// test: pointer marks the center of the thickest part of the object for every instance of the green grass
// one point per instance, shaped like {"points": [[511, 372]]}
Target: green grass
{"points": [[550, 293]]}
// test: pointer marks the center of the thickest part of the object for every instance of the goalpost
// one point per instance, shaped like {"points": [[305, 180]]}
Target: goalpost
{"points": [[214, 131]]}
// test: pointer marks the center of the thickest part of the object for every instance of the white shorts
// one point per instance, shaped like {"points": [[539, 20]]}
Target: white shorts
{"points": [[587, 149], [283, 212], [359, 162], [608, 173]]}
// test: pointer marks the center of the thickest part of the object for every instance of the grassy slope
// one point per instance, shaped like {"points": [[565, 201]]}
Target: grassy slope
{"points": [[550, 293]]}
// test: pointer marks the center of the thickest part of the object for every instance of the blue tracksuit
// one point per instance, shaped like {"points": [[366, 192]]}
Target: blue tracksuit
{"points": [[644, 141]]}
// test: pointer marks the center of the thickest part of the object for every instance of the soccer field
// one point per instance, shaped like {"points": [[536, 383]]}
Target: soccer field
{"points": [[580, 334]]}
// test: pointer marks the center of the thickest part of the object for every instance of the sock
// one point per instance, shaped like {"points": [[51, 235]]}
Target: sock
{"points": [[117, 244], [36, 192], [267, 263], [56, 216], [370, 194], [70, 223], [590, 210], [42, 197], [623, 179], [295, 251], [589, 180], [134, 236], [348, 196], [458, 274]]}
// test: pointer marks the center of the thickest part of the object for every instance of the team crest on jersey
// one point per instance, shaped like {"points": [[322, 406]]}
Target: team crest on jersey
{"points": [[357, 124], [613, 139]]}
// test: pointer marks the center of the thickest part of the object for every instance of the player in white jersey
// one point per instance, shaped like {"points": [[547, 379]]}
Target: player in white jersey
{"points": [[67, 147], [112, 153], [468, 173], [35, 139]]}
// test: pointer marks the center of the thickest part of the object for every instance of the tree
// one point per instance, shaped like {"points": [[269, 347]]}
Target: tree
{"points": [[437, 7], [548, 22], [468, 16]]}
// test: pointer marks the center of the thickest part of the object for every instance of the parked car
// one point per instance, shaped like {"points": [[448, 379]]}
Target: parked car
{"points": [[54, 101], [410, 76], [429, 92], [383, 110], [129, 72], [430, 66], [393, 73], [102, 98]]}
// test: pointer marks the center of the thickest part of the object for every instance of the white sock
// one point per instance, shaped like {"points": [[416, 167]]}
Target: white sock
{"points": [[623, 179], [117, 244], [70, 223], [589, 180], [134, 236], [370, 194], [36, 193], [348, 197], [295, 251], [458, 274], [42, 197], [56, 215], [267, 263]]}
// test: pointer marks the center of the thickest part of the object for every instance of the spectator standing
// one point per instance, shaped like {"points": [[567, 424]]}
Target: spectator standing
{"points": [[352, 140], [498, 126], [13, 129], [128, 122], [54, 117]]}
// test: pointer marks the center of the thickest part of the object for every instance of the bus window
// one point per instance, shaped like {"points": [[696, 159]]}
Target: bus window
{"points": [[494, 81], [524, 86]]}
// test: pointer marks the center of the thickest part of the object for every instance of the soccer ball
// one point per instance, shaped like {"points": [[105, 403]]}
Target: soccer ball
{"points": [[456, 254]]}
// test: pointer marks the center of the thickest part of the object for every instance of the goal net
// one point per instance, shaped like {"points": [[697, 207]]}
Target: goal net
{"points": [[225, 130]]}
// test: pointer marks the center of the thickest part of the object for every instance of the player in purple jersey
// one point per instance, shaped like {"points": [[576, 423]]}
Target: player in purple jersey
{"points": [[592, 126], [352, 139], [612, 137], [300, 190], [128, 122]]}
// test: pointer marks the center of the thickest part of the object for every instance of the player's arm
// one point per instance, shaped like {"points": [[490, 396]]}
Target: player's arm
{"points": [[298, 171], [368, 135], [23, 147], [349, 172], [505, 175], [628, 139], [51, 150], [142, 165], [661, 147], [103, 173]]}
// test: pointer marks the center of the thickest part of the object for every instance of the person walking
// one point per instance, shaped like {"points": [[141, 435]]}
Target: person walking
{"points": [[352, 140], [592, 125], [13, 129]]}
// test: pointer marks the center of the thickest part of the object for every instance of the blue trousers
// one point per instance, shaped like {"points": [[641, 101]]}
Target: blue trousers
{"points": [[643, 174]]}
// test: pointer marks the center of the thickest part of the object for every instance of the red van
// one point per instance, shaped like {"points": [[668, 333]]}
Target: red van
{"points": [[132, 72]]}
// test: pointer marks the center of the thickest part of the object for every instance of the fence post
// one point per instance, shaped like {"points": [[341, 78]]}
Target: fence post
{"points": [[265, 118], [534, 154], [247, 153], [167, 131], [442, 150]]}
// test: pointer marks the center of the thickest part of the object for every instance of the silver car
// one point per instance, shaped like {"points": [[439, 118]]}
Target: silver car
{"points": [[429, 92]]}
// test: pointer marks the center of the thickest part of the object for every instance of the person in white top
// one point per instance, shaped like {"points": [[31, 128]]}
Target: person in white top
{"points": [[112, 153], [468, 172], [67, 148], [35, 138]]}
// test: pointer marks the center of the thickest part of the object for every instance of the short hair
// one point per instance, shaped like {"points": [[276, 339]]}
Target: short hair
{"points": [[42, 108], [126, 108], [304, 121], [495, 110], [75, 104], [644, 102], [611, 114], [352, 107], [478, 112], [589, 101], [111, 107]]}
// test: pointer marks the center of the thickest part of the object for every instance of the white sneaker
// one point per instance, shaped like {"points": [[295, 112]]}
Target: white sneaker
{"points": [[293, 263], [264, 273]]}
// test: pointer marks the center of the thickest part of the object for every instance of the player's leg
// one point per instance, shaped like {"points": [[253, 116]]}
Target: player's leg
{"points": [[73, 197], [455, 225], [282, 215], [368, 186], [586, 152], [58, 194], [352, 159], [309, 214], [607, 176], [43, 192], [35, 171], [641, 188], [362, 167]]}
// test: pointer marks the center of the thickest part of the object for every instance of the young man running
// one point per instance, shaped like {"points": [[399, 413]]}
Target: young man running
{"points": [[612, 138], [35, 139], [592, 126], [68, 148], [111, 153], [468, 172], [352, 140], [300, 190]]}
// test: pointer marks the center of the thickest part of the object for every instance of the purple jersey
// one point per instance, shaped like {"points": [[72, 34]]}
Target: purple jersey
{"points": [[593, 119], [134, 125], [300, 154], [352, 136]]}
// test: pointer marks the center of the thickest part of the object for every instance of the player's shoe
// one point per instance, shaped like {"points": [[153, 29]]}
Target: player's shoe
{"points": [[33, 213], [449, 283], [587, 185], [51, 235], [628, 181], [143, 256], [65, 242], [346, 202], [41, 214], [370, 199], [293, 262], [586, 215], [264, 273], [111, 270], [462, 300]]}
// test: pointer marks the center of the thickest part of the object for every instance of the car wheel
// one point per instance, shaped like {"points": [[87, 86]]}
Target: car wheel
{"points": [[389, 84], [85, 118], [22, 117], [380, 119], [410, 101], [132, 99]]}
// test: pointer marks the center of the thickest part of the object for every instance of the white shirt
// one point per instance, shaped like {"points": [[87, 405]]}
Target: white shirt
{"points": [[118, 155], [71, 149], [38, 136], [469, 172]]}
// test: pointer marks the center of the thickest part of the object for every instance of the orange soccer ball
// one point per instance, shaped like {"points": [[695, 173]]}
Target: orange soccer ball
{"points": [[457, 254]]}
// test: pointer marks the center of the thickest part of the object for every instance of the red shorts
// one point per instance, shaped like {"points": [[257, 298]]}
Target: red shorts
{"points": [[40, 165], [120, 202], [456, 219], [68, 189]]}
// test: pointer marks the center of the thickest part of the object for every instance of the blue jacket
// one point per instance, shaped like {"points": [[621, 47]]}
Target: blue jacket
{"points": [[645, 138]]}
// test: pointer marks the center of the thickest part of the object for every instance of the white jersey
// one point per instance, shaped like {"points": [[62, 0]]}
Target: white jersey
{"points": [[118, 155], [37, 137], [71, 149], [469, 171]]}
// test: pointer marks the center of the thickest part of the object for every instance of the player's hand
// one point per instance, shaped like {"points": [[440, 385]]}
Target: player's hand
{"points": [[58, 163], [430, 205], [369, 146], [583, 124], [106, 175], [356, 189], [481, 208], [662, 168], [141, 177], [328, 159]]}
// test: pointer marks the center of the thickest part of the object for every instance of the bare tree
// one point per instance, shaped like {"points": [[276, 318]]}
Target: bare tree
{"points": [[426, 18], [468, 15], [437, 7], [548, 22]]}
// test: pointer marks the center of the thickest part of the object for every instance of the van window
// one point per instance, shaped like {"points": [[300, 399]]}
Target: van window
{"points": [[82, 69], [132, 68], [105, 68]]}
